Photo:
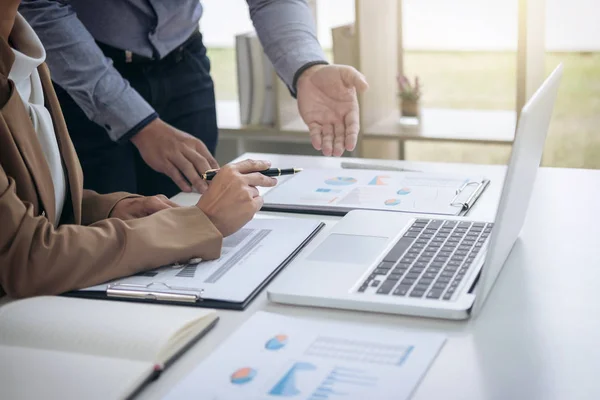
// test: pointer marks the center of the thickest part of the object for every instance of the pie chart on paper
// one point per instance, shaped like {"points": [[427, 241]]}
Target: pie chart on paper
{"points": [[392, 202], [277, 342], [341, 181], [243, 375], [404, 191]]}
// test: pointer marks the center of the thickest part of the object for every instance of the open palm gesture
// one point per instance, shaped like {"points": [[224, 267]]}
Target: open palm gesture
{"points": [[328, 104]]}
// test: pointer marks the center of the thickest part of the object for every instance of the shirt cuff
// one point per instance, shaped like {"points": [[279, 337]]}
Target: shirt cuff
{"points": [[123, 114], [141, 125], [294, 88], [291, 64]]}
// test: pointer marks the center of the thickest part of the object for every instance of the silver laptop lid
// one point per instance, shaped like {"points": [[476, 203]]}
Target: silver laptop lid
{"points": [[520, 177]]}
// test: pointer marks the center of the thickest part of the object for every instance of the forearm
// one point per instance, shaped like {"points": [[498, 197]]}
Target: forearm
{"points": [[37, 259], [287, 32], [79, 66], [96, 207]]}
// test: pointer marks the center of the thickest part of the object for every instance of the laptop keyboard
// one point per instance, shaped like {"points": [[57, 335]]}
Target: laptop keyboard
{"points": [[430, 260]]}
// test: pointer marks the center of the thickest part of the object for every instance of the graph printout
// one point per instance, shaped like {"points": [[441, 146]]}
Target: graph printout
{"points": [[277, 357], [342, 190]]}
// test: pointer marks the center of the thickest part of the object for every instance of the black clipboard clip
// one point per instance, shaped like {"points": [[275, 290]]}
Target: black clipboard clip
{"points": [[467, 204], [154, 291]]}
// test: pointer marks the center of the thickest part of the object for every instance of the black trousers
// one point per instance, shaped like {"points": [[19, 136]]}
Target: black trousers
{"points": [[181, 91]]}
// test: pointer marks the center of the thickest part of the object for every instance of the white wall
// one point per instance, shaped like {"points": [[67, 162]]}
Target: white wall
{"points": [[571, 25]]}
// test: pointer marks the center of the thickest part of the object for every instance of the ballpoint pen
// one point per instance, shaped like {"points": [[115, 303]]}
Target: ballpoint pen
{"points": [[274, 172]]}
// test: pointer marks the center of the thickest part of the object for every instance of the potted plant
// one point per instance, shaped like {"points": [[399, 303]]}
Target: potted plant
{"points": [[410, 94]]}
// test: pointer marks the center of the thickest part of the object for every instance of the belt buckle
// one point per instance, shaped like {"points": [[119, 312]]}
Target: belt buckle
{"points": [[128, 56]]}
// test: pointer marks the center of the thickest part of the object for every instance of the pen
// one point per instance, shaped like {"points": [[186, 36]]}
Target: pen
{"points": [[351, 165], [211, 173]]}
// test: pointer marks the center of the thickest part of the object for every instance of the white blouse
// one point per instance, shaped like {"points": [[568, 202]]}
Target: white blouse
{"points": [[29, 56]]}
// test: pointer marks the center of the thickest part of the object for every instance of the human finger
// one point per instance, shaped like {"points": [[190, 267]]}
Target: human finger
{"points": [[352, 78], [352, 127], [166, 200], [172, 172], [201, 165], [258, 179], [327, 138], [248, 166], [154, 204], [258, 203], [316, 131], [253, 191], [203, 150], [339, 140], [188, 170]]}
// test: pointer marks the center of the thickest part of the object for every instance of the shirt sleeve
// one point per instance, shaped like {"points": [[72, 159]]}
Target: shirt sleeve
{"points": [[78, 65], [287, 32]]}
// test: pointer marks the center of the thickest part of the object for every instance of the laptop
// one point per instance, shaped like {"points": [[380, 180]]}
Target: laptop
{"points": [[422, 265]]}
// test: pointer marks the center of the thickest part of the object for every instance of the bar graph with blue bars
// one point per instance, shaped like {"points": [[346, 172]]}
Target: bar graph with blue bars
{"points": [[342, 382]]}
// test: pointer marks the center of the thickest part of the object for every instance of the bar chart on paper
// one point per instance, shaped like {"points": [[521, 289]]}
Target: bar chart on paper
{"points": [[276, 357]]}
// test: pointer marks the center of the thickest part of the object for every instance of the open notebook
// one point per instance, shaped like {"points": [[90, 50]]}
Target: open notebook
{"points": [[56, 347]]}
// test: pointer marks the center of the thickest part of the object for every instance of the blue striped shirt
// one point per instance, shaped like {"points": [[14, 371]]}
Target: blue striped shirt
{"points": [[152, 28]]}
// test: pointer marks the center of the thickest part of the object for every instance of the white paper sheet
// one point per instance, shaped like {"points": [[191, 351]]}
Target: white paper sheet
{"points": [[344, 190], [247, 259], [277, 357]]}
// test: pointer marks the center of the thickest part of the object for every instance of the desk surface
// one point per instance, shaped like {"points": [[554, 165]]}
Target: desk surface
{"points": [[536, 337]]}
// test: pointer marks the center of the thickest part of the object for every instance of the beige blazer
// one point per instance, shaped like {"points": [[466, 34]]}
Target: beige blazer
{"points": [[87, 247]]}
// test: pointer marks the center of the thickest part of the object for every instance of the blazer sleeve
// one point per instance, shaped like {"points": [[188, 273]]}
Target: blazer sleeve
{"points": [[96, 207], [38, 259]]}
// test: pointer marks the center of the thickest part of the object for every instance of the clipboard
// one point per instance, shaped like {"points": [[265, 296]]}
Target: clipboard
{"points": [[465, 206], [337, 192], [161, 293]]}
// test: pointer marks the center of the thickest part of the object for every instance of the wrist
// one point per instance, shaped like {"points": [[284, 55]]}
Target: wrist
{"points": [[305, 72], [206, 210], [150, 128], [138, 127]]}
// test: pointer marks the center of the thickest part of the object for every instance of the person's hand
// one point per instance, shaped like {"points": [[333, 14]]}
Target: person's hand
{"points": [[232, 198], [176, 154], [139, 207], [328, 104]]}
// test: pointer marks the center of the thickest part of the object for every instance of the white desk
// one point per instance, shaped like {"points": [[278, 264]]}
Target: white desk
{"points": [[537, 335]]}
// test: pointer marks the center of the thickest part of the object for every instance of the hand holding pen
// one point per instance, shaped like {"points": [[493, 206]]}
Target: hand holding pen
{"points": [[232, 198], [271, 172]]}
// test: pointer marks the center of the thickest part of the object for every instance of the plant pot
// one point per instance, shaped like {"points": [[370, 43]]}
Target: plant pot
{"points": [[410, 108]]}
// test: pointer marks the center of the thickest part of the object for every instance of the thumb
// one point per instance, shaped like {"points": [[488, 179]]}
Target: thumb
{"points": [[354, 79], [154, 204]]}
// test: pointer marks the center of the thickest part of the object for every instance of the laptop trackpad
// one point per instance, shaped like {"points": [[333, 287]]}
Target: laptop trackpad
{"points": [[352, 249]]}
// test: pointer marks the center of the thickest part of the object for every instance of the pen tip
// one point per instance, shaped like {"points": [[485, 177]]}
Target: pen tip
{"points": [[296, 170]]}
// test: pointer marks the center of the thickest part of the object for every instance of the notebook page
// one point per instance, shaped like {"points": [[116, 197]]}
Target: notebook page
{"points": [[95, 327], [46, 374]]}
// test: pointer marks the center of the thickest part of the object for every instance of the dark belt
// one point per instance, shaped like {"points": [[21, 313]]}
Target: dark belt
{"points": [[120, 56]]}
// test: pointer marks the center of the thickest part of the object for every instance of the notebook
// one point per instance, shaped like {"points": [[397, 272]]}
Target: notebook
{"points": [[250, 258], [58, 347], [338, 191], [274, 356]]}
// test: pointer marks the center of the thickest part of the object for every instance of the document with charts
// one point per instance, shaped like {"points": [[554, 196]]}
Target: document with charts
{"points": [[337, 191], [249, 258], [277, 357]]}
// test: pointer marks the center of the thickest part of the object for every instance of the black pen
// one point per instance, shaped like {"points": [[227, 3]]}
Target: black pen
{"points": [[211, 173]]}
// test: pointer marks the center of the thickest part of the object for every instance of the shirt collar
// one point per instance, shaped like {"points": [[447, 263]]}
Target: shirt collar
{"points": [[30, 53]]}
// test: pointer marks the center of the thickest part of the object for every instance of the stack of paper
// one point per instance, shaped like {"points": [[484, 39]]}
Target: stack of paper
{"points": [[256, 82]]}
